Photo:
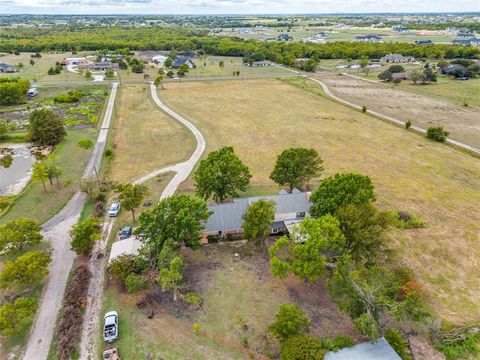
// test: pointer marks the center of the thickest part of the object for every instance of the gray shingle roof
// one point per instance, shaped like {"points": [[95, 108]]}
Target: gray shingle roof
{"points": [[229, 216], [378, 350]]}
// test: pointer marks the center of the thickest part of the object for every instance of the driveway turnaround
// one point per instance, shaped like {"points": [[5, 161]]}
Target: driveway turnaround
{"points": [[92, 318], [56, 231]]}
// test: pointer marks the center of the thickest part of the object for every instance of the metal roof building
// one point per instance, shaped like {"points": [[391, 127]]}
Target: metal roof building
{"points": [[378, 350]]}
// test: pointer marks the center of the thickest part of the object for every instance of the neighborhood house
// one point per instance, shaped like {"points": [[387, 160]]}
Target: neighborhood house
{"points": [[5, 68], [227, 218], [181, 61], [260, 63], [397, 58], [369, 38], [99, 66]]}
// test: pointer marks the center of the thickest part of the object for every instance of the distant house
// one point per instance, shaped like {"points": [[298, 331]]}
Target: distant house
{"points": [[190, 55], [5, 68], [159, 59], [180, 61], [423, 42], [283, 37], [397, 58], [401, 76], [99, 66], [399, 29], [260, 63], [377, 350], [448, 70], [466, 35], [76, 61], [320, 35], [467, 42], [227, 218], [368, 38]]}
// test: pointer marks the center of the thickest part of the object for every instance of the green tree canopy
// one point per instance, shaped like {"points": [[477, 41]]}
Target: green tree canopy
{"points": [[15, 316], [257, 220], [171, 278], [178, 218], [131, 196], [295, 167], [289, 321], [340, 190], [45, 128], [437, 133], [302, 347], [363, 226], [84, 235], [19, 234], [304, 253], [220, 175], [13, 90], [26, 270]]}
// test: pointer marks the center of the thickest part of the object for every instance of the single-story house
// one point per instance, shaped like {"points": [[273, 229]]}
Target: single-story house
{"points": [[130, 246], [76, 61], [159, 59], [401, 76], [377, 350], [188, 54], [227, 218], [397, 58], [5, 68], [451, 68], [466, 35], [180, 61], [423, 42], [99, 66], [399, 29], [368, 38], [260, 63], [320, 35], [471, 41], [284, 37]]}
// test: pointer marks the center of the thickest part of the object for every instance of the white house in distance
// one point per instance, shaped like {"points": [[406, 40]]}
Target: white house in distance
{"points": [[159, 59], [397, 58]]}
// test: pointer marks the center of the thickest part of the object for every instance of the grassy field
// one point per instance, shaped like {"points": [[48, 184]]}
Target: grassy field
{"points": [[33, 202], [463, 123], [39, 70], [411, 173], [240, 299], [144, 137]]}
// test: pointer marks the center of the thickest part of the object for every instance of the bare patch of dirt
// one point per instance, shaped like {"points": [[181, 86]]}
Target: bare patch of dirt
{"points": [[463, 123]]}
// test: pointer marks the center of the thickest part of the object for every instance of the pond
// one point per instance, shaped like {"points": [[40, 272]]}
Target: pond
{"points": [[15, 168]]}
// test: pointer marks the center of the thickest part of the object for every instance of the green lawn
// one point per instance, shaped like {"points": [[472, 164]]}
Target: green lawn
{"points": [[33, 202]]}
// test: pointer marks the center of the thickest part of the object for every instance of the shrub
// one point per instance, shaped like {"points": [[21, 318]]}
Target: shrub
{"points": [[197, 328], [437, 134], [193, 299], [406, 220], [290, 321], [122, 266], [364, 109], [134, 283], [459, 344], [70, 97], [398, 343], [302, 347], [408, 124]]}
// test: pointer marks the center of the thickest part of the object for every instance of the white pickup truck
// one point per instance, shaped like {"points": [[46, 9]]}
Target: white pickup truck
{"points": [[110, 329]]}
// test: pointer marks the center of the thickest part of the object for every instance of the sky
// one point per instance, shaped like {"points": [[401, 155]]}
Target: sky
{"points": [[232, 6]]}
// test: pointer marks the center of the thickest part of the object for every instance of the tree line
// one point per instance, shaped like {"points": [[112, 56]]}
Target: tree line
{"points": [[63, 40]]}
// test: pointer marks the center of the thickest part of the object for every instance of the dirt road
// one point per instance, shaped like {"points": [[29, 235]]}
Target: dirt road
{"points": [[56, 231], [92, 318]]}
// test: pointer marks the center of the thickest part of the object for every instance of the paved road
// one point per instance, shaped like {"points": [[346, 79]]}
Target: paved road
{"points": [[89, 339], [56, 231]]}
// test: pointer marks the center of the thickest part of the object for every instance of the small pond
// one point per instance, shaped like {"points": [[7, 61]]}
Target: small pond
{"points": [[15, 174]]}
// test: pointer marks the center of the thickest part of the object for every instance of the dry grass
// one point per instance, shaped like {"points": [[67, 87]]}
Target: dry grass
{"points": [[260, 118], [463, 123], [144, 137]]}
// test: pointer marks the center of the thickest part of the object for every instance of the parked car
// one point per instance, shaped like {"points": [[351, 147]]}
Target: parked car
{"points": [[125, 233], [110, 328], [114, 209], [32, 92], [111, 354]]}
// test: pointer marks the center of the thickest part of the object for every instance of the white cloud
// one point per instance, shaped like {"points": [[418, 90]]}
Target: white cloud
{"points": [[233, 6]]}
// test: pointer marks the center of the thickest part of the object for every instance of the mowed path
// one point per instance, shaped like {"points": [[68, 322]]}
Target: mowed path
{"points": [[56, 231], [463, 123], [92, 318], [260, 118]]}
